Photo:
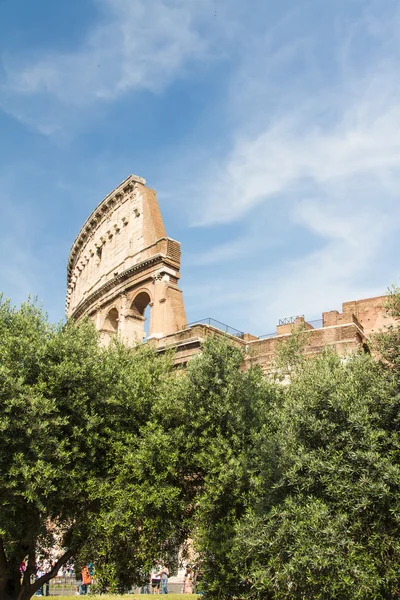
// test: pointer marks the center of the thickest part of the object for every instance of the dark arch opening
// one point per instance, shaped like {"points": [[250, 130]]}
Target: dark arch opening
{"points": [[140, 303], [112, 319], [141, 308]]}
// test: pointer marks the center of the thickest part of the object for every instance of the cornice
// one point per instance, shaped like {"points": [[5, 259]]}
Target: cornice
{"points": [[115, 281], [110, 201]]}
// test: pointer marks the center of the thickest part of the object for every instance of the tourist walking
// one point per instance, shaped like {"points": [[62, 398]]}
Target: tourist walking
{"points": [[164, 580], [155, 580], [86, 580]]}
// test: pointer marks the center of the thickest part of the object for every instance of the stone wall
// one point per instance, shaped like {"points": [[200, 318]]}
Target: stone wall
{"points": [[121, 263], [345, 332]]}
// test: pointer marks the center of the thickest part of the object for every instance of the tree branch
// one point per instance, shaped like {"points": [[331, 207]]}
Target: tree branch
{"points": [[30, 568], [52, 573]]}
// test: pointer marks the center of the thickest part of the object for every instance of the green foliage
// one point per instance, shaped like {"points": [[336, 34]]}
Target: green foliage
{"points": [[182, 469], [226, 415], [288, 491], [290, 352], [320, 517], [333, 528], [387, 342], [84, 461], [393, 301]]}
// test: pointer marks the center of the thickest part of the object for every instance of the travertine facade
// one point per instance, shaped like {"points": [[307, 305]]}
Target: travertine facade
{"points": [[121, 262]]}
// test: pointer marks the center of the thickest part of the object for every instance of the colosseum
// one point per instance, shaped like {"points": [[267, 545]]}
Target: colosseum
{"points": [[123, 267], [121, 263]]}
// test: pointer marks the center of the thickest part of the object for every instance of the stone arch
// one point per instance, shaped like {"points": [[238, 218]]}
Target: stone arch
{"points": [[110, 326], [140, 302], [141, 259], [112, 320]]}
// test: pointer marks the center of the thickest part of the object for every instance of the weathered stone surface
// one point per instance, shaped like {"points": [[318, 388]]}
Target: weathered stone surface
{"points": [[346, 332], [121, 262]]}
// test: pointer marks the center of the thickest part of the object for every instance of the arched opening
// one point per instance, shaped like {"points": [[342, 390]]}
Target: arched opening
{"points": [[111, 322], [140, 307], [140, 303]]}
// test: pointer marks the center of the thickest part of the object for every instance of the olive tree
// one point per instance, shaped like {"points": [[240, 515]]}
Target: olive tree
{"points": [[75, 424]]}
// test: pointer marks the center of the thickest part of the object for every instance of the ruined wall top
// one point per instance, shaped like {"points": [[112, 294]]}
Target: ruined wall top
{"points": [[125, 229], [96, 216]]}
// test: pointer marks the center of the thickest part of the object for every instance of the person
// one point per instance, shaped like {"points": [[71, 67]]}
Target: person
{"points": [[22, 568], [86, 580], [79, 591], [91, 570], [164, 580], [155, 581]]}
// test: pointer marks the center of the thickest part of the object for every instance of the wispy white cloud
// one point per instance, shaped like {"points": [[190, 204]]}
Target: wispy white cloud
{"points": [[320, 121], [137, 45], [294, 153], [346, 264], [221, 253], [329, 152], [341, 269], [313, 106]]}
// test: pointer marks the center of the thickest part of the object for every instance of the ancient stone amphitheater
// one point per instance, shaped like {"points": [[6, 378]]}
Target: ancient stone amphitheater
{"points": [[121, 263], [123, 266]]}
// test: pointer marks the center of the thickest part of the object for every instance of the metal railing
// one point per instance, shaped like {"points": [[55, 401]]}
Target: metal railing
{"points": [[315, 324], [217, 325], [268, 336], [290, 320], [61, 586]]}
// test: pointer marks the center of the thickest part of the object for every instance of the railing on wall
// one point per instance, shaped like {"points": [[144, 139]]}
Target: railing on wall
{"points": [[267, 336], [217, 325], [290, 320], [315, 324]]}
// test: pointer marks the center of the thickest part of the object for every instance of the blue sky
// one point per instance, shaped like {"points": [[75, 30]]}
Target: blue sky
{"points": [[270, 130]]}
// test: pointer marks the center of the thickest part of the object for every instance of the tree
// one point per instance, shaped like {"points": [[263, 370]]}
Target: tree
{"points": [[328, 527], [320, 516], [289, 491], [188, 471], [386, 343], [225, 413], [74, 417]]}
